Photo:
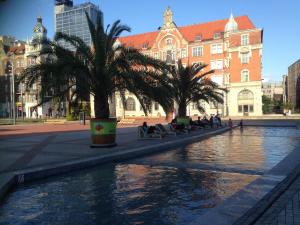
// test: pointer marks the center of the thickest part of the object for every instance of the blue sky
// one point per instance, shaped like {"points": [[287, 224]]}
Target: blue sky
{"points": [[279, 19]]}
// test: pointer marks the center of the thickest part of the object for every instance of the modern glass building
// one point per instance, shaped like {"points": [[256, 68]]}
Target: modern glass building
{"points": [[71, 19]]}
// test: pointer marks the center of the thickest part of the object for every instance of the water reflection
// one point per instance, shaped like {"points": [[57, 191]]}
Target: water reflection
{"points": [[167, 188], [256, 149]]}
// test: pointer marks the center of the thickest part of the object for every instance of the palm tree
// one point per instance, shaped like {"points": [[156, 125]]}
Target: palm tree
{"points": [[190, 85], [101, 70]]}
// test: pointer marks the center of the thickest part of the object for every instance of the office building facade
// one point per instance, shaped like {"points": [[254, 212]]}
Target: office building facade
{"points": [[71, 20]]}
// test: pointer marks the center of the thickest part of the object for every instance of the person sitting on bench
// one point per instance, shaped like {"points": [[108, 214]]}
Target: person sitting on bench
{"points": [[148, 129]]}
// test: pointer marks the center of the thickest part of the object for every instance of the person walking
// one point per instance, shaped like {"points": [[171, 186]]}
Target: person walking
{"points": [[230, 123], [211, 121], [241, 124]]}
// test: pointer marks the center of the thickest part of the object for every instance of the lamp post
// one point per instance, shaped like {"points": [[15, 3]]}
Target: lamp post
{"points": [[10, 68]]}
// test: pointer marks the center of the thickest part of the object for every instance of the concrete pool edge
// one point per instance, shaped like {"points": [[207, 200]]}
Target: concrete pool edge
{"points": [[248, 205], [10, 180]]}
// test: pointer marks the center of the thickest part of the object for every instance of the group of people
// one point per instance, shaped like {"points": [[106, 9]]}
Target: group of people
{"points": [[213, 122]]}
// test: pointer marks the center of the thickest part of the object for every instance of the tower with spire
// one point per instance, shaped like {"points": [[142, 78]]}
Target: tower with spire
{"points": [[39, 31], [168, 19]]}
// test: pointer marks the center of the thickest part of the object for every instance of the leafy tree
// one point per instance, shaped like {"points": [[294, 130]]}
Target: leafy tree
{"points": [[102, 70], [267, 104], [191, 85], [288, 105]]}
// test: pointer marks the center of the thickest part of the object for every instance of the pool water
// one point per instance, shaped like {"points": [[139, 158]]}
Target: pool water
{"points": [[166, 188]]}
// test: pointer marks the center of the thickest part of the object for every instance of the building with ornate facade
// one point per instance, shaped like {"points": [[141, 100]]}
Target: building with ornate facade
{"points": [[32, 56], [18, 56], [11, 55], [231, 47]]}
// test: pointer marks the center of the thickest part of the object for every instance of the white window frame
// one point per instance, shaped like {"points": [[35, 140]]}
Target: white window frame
{"points": [[197, 51], [243, 76], [216, 48], [216, 64], [183, 53], [245, 57], [244, 39], [156, 55]]}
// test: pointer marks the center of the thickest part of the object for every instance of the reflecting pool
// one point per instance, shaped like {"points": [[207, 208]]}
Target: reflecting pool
{"points": [[167, 188]]}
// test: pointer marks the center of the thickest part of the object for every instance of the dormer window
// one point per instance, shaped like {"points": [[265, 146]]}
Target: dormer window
{"points": [[145, 45], [198, 37], [217, 35]]}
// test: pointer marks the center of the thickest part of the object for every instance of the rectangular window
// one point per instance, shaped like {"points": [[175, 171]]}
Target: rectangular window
{"points": [[240, 108], [183, 53], [245, 39], [156, 55], [250, 108], [164, 56], [156, 106], [245, 57], [216, 64], [245, 76], [216, 48], [197, 51]]}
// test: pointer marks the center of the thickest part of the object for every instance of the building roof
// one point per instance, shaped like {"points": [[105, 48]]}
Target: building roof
{"points": [[189, 32], [17, 49]]}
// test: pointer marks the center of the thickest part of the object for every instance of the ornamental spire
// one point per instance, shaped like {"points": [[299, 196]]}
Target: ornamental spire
{"points": [[231, 25], [168, 19]]}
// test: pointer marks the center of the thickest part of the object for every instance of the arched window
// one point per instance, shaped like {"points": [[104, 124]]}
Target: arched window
{"points": [[130, 104], [245, 102], [245, 76]]}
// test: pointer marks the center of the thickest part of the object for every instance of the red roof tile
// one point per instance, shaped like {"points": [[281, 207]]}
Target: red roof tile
{"points": [[138, 40], [206, 30], [18, 49]]}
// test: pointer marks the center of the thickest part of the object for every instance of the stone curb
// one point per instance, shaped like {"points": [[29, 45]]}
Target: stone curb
{"points": [[13, 179], [248, 205], [256, 212]]}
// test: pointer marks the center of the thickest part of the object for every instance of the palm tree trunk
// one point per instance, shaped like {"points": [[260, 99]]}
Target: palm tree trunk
{"points": [[182, 109], [101, 106]]}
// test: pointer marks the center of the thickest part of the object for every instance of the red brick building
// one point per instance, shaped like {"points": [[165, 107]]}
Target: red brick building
{"points": [[232, 47]]}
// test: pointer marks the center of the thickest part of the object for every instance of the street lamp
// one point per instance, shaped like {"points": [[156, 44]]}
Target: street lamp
{"points": [[10, 70]]}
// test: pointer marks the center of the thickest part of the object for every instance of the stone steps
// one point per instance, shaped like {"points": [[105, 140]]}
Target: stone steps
{"points": [[55, 121]]}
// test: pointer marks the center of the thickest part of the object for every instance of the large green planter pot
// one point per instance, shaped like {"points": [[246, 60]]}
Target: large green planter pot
{"points": [[103, 132], [183, 120]]}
